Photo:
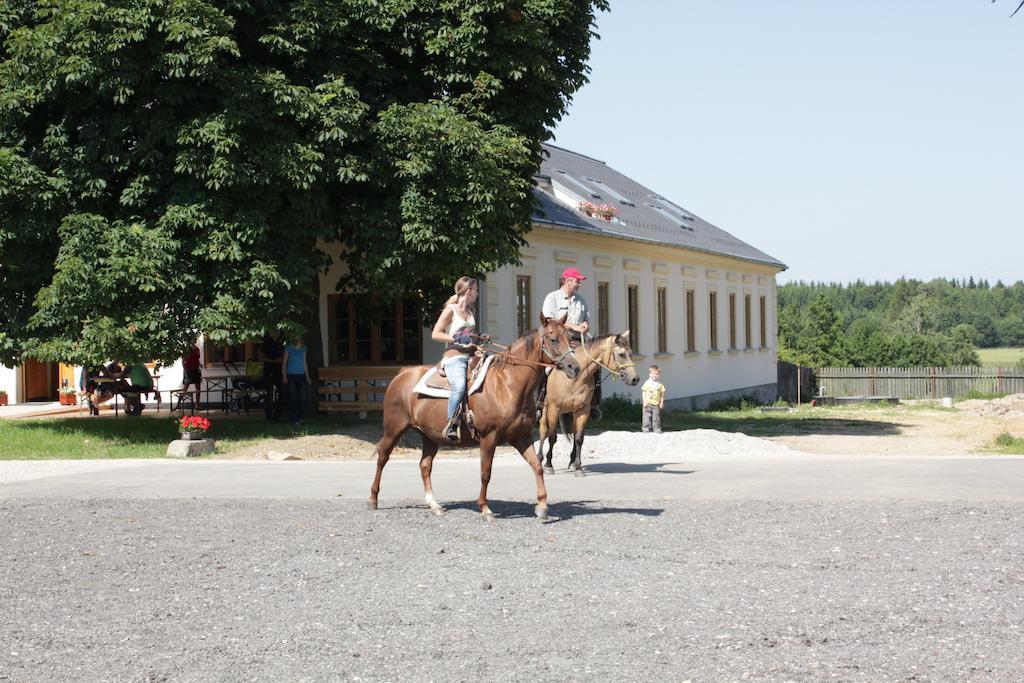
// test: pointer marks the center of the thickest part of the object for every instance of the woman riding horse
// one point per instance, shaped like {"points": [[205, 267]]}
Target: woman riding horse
{"points": [[503, 411]]}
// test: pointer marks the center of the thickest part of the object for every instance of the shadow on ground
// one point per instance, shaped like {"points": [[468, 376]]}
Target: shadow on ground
{"points": [[562, 510]]}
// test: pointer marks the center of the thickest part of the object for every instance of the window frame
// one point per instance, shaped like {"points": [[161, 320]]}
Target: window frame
{"points": [[713, 319], [400, 317], [633, 315], [524, 304], [603, 306], [691, 321], [732, 321], [661, 300]]}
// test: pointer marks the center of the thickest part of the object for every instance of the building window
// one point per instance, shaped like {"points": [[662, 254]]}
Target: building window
{"points": [[764, 326], [746, 321], [227, 355], [713, 319], [602, 308], [523, 316], [691, 323], [358, 333], [633, 315], [732, 321], [662, 324]]}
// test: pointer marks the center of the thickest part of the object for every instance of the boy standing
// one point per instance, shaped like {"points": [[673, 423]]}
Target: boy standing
{"points": [[654, 400]]}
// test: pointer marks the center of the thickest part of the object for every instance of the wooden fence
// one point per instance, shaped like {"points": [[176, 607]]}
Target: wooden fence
{"points": [[954, 382], [354, 388]]}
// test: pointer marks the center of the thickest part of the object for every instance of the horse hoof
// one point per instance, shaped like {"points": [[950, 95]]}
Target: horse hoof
{"points": [[580, 473], [371, 504], [548, 469], [488, 516], [541, 512], [437, 510]]}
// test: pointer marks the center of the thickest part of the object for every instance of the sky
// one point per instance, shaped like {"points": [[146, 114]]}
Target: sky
{"points": [[867, 140]]}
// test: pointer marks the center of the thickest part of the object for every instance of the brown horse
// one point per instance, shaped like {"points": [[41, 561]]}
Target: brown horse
{"points": [[503, 411], [569, 399]]}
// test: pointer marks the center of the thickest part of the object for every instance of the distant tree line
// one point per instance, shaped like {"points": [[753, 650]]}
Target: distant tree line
{"points": [[898, 324]]}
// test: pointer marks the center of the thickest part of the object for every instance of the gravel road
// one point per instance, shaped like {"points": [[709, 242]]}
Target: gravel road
{"points": [[223, 589]]}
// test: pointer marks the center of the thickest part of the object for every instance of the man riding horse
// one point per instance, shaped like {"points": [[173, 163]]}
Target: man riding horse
{"points": [[567, 301]]}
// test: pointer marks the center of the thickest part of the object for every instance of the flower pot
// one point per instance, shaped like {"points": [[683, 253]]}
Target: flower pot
{"points": [[67, 399], [3, 399], [192, 436]]}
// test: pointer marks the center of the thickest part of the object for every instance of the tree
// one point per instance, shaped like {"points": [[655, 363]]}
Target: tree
{"points": [[183, 166]]}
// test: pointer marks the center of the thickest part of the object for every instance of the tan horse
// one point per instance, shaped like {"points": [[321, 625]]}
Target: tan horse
{"points": [[569, 399], [503, 411]]}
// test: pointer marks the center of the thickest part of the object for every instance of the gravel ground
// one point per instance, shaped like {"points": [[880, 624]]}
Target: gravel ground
{"points": [[310, 590]]}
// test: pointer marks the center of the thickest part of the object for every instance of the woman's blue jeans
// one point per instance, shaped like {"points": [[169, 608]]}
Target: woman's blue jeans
{"points": [[456, 367]]}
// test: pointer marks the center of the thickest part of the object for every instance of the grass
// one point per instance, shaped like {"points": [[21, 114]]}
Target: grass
{"points": [[144, 437], [1001, 357], [1009, 444]]}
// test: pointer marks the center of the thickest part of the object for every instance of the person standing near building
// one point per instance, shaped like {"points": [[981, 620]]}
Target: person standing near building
{"points": [[272, 354], [654, 400], [296, 378], [191, 365]]}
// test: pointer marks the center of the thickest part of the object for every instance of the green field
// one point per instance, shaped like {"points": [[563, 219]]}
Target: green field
{"points": [[1000, 358]]}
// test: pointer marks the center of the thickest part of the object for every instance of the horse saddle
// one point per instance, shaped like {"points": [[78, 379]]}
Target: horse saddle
{"points": [[433, 383]]}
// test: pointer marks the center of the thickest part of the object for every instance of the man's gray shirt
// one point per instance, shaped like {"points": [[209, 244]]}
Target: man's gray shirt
{"points": [[557, 304]]}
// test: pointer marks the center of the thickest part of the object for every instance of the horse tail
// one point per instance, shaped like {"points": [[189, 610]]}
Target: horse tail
{"points": [[563, 422]]}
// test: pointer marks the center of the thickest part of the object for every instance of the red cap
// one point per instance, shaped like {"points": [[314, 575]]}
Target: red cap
{"points": [[573, 273]]}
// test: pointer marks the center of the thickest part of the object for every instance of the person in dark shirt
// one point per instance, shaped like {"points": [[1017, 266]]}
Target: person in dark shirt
{"points": [[272, 353], [193, 372]]}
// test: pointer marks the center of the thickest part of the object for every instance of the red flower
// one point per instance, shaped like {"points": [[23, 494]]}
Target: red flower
{"points": [[193, 423]]}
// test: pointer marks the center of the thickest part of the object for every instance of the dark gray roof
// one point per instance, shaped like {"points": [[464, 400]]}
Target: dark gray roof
{"points": [[645, 215]]}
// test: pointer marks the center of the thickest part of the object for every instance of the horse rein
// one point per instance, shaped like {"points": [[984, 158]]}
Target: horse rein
{"points": [[507, 352]]}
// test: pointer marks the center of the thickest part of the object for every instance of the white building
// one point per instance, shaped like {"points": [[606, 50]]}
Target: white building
{"points": [[698, 302]]}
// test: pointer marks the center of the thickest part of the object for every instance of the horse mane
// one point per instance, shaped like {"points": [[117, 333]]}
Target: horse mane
{"points": [[527, 342]]}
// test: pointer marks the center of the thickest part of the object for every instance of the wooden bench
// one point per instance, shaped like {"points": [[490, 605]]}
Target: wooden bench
{"points": [[354, 389]]}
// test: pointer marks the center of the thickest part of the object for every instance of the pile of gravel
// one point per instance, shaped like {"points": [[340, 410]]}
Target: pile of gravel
{"points": [[1007, 406], [692, 442]]}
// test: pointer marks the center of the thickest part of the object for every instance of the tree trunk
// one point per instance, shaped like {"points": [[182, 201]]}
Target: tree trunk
{"points": [[315, 347]]}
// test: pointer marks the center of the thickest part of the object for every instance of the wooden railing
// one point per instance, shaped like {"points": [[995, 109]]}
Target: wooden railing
{"points": [[358, 388]]}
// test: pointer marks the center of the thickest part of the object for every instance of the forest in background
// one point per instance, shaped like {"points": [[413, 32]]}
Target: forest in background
{"points": [[904, 323]]}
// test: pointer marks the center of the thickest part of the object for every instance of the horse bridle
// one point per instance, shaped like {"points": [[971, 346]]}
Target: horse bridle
{"points": [[558, 362], [619, 367]]}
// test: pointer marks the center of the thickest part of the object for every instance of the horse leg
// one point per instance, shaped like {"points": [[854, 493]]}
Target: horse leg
{"points": [[426, 465], [564, 424], [487, 446], [525, 448], [547, 433], [383, 451], [580, 423], [552, 440]]}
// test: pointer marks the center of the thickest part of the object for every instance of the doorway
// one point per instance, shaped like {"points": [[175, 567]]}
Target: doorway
{"points": [[42, 380]]}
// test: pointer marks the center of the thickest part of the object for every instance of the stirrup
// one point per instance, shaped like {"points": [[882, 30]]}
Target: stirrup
{"points": [[451, 430]]}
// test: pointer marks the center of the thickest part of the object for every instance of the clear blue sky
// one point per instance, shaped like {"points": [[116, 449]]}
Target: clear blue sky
{"points": [[871, 139]]}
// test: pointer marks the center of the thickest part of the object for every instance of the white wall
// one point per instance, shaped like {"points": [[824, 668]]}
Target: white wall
{"points": [[9, 383], [619, 263]]}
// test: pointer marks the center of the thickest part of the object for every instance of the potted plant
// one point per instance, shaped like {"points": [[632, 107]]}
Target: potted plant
{"points": [[605, 212], [193, 427], [3, 397], [67, 396]]}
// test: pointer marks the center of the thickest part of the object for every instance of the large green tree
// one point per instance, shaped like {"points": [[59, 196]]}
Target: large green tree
{"points": [[170, 167]]}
